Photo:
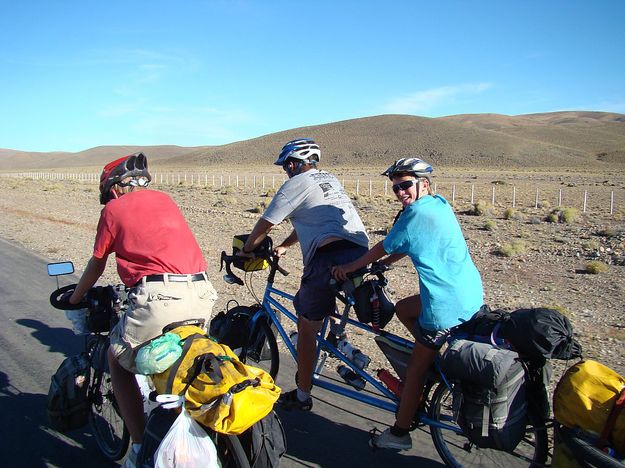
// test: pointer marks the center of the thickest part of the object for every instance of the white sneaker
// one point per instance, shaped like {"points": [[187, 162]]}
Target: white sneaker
{"points": [[387, 440]]}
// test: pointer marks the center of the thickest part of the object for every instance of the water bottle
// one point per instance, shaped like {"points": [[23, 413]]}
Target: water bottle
{"points": [[360, 359], [351, 377], [392, 383]]}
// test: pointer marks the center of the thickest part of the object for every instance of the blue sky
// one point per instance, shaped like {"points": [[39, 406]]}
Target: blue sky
{"points": [[79, 74]]}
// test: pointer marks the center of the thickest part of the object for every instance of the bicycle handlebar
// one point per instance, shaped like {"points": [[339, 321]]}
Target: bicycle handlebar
{"points": [[227, 260], [59, 299]]}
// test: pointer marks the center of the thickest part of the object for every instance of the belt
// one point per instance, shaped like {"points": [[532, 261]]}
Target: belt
{"points": [[176, 278], [342, 244]]}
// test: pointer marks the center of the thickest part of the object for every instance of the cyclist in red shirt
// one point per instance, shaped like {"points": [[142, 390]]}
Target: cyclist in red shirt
{"points": [[159, 259]]}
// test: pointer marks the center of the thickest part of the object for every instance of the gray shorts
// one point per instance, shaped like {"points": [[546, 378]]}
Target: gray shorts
{"points": [[433, 339], [154, 305], [315, 299]]}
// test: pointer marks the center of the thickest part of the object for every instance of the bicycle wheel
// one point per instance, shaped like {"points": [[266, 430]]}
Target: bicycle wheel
{"points": [[105, 420], [262, 349], [230, 452], [456, 450]]}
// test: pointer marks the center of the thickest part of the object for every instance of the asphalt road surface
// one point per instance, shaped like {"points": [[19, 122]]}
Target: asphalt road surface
{"points": [[35, 338]]}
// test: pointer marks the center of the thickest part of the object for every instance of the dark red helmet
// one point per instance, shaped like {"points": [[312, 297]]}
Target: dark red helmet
{"points": [[134, 166]]}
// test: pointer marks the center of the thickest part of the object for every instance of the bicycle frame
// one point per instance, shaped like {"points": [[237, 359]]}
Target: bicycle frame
{"points": [[272, 309]]}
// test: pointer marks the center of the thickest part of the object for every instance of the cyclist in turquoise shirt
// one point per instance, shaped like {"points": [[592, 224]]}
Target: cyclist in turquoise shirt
{"points": [[450, 287]]}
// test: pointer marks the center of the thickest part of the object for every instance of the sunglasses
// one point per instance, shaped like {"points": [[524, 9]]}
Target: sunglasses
{"points": [[405, 185]]}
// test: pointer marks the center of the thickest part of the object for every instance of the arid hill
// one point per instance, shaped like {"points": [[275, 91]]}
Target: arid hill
{"points": [[552, 140]]}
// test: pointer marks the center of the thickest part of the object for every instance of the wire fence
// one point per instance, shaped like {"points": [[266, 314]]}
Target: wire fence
{"points": [[587, 199]]}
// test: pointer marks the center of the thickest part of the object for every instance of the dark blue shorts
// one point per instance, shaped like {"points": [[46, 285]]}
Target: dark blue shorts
{"points": [[315, 299]]}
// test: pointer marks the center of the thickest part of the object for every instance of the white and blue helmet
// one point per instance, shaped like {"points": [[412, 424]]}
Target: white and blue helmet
{"points": [[302, 149], [413, 166]]}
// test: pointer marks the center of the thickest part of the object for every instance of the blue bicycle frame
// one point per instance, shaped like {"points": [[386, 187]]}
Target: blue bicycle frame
{"points": [[272, 309]]}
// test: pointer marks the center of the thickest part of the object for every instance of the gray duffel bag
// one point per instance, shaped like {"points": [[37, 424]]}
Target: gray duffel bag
{"points": [[489, 393]]}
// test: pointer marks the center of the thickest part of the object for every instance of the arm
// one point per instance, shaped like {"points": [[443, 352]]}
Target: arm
{"points": [[393, 258], [375, 253], [260, 231], [291, 239], [92, 273]]}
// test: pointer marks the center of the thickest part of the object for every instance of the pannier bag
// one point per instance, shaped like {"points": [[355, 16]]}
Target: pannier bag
{"points": [[220, 391], [251, 264], [587, 397], [68, 405], [574, 448], [265, 442], [373, 304], [489, 393], [232, 328], [536, 334]]}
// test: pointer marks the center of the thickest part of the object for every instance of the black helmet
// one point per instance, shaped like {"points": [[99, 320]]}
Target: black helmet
{"points": [[414, 166], [134, 165]]}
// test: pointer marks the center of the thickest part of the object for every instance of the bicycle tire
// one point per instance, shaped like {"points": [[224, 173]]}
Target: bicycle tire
{"points": [[230, 452], [262, 349], [456, 450], [105, 421]]}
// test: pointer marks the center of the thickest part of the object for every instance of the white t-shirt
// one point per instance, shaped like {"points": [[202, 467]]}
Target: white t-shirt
{"points": [[318, 207]]}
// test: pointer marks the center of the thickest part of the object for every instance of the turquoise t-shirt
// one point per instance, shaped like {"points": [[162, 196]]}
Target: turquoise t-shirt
{"points": [[449, 283]]}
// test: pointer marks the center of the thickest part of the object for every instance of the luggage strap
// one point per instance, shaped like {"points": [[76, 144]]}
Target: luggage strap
{"points": [[619, 404]]}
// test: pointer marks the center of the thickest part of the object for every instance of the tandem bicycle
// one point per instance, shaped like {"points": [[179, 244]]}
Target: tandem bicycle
{"points": [[269, 321]]}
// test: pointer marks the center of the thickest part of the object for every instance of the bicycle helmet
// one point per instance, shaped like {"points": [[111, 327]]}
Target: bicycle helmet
{"points": [[134, 166], [414, 166], [302, 149]]}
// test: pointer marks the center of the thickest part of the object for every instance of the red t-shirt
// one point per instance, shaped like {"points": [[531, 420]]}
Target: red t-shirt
{"points": [[149, 235]]}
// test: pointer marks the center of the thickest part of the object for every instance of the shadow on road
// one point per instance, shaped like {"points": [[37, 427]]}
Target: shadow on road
{"points": [[57, 339], [25, 441]]}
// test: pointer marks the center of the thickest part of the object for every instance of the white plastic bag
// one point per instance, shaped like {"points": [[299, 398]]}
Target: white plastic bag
{"points": [[78, 317], [186, 445]]}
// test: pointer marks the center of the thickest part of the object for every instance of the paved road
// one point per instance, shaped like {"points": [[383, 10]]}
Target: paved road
{"points": [[35, 338]]}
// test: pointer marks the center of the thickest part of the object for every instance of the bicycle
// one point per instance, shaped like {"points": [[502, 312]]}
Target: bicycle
{"points": [[104, 306], [435, 411]]}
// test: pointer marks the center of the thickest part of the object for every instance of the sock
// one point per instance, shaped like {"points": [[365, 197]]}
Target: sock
{"points": [[302, 395], [398, 431]]}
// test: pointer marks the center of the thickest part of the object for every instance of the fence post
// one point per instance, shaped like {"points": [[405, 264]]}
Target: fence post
{"points": [[585, 198], [612, 202], [385, 187], [560, 198], [273, 182], [357, 186], [472, 194], [453, 193], [493, 202], [513, 197], [536, 204], [370, 188]]}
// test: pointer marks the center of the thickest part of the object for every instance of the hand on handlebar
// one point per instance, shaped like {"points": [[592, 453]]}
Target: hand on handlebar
{"points": [[340, 272], [279, 251]]}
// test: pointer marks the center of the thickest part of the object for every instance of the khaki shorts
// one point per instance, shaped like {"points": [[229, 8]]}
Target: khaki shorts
{"points": [[154, 305]]}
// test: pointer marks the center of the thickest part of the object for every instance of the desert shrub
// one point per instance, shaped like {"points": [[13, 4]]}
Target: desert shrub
{"points": [[563, 215], [490, 225], [270, 192], [512, 249], [258, 208], [595, 267], [591, 244], [498, 182], [50, 187], [607, 232], [227, 190], [481, 208], [512, 213], [544, 204]]}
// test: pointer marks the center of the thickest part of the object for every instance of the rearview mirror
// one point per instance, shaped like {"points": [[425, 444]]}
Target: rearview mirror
{"points": [[61, 268]]}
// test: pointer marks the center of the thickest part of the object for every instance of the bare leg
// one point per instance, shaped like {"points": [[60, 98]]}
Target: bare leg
{"points": [[407, 310], [306, 344], [128, 398], [420, 361]]}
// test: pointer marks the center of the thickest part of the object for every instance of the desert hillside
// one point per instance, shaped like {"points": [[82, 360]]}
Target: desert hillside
{"points": [[553, 140]]}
